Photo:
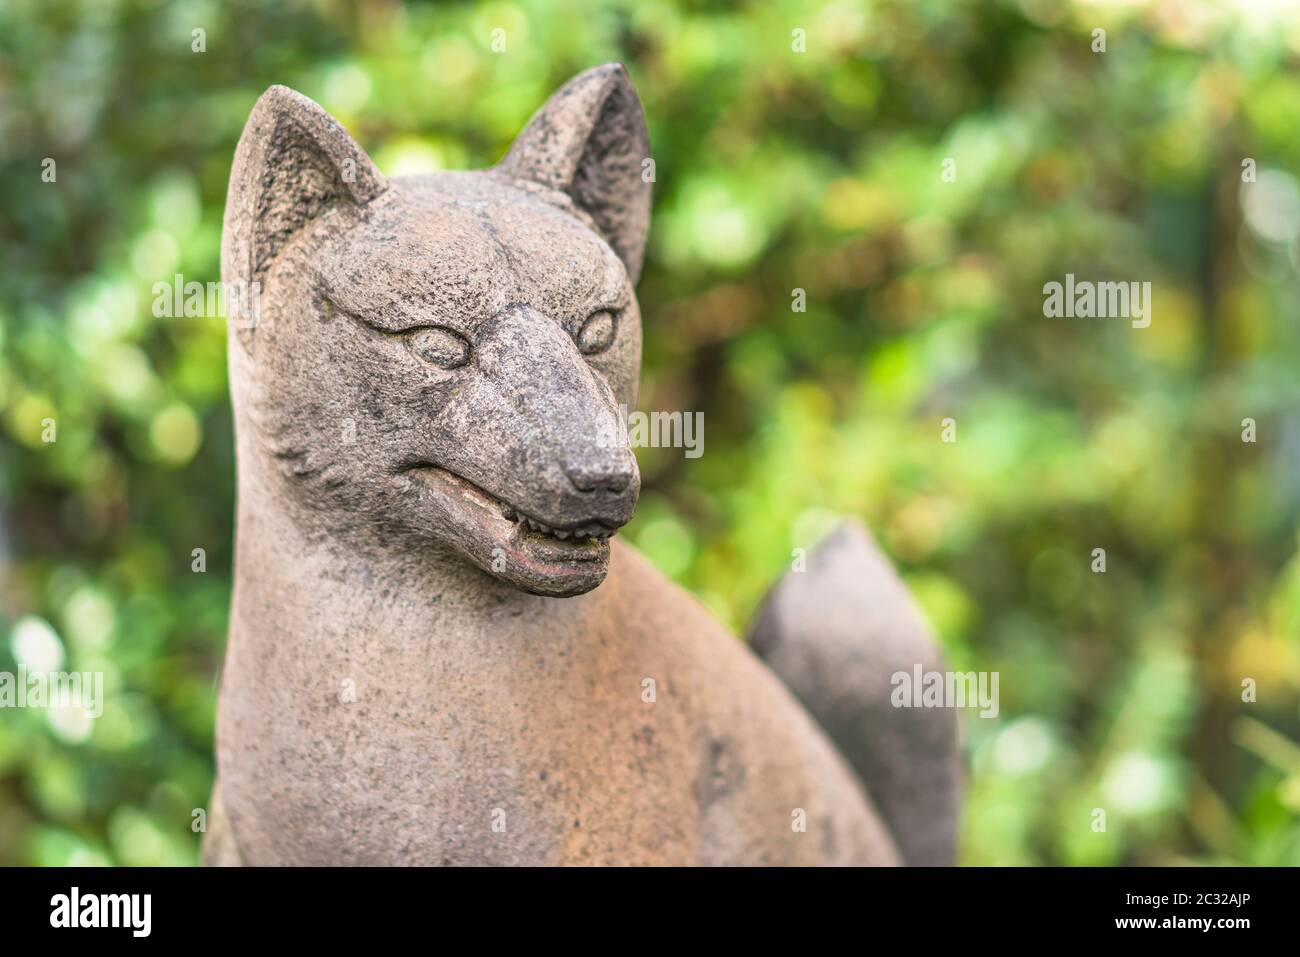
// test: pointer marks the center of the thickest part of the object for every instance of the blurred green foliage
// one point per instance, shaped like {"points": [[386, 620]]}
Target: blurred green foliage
{"points": [[776, 170]]}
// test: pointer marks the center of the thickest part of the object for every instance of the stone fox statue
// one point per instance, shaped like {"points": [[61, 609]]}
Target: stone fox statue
{"points": [[439, 654]]}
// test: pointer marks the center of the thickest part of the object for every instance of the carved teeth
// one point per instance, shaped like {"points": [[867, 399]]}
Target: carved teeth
{"points": [[598, 532], [595, 531]]}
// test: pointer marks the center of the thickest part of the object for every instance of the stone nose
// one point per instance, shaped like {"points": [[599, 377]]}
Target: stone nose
{"points": [[609, 472]]}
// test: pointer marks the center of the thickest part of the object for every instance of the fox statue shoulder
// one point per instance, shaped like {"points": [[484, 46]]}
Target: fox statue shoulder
{"points": [[438, 652]]}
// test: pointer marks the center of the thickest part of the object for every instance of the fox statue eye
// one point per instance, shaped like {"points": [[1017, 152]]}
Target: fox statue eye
{"points": [[596, 333], [440, 347]]}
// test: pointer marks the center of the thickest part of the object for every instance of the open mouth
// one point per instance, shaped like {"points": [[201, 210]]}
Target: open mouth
{"points": [[596, 530], [536, 549]]}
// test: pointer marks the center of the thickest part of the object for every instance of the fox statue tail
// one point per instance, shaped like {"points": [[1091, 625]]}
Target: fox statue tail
{"points": [[836, 632]]}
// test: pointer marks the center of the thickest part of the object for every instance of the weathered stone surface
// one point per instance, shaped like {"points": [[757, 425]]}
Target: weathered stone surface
{"points": [[415, 673]]}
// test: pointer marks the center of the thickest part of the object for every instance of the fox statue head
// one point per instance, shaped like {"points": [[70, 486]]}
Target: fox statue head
{"points": [[435, 364]]}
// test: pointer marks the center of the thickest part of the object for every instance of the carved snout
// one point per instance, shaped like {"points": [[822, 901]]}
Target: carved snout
{"points": [[562, 432]]}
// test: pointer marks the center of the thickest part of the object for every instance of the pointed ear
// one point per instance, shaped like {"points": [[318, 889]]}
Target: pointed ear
{"points": [[293, 163], [589, 140]]}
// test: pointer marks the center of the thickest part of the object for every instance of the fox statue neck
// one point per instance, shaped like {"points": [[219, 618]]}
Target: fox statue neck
{"points": [[313, 574]]}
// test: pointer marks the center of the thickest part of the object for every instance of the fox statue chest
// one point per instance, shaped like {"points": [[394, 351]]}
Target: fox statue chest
{"points": [[621, 726]]}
